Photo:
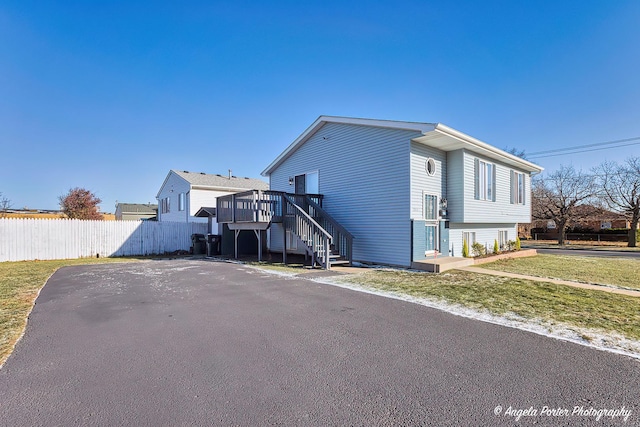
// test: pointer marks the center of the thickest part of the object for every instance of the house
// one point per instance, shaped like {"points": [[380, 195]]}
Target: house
{"points": [[587, 219], [184, 193], [391, 192], [136, 211]]}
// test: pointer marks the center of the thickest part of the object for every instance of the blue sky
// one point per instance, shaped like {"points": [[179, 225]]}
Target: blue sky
{"points": [[111, 95]]}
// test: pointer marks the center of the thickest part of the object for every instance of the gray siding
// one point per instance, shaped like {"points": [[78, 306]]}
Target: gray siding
{"points": [[421, 182], [364, 174]]}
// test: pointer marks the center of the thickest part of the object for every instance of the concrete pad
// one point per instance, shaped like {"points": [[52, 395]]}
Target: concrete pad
{"points": [[438, 265]]}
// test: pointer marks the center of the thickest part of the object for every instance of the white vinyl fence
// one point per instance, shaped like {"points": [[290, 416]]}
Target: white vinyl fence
{"points": [[29, 239]]}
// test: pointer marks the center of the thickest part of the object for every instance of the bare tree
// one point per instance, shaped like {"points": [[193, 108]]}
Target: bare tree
{"points": [[621, 189], [559, 195], [516, 152], [80, 203], [5, 204]]}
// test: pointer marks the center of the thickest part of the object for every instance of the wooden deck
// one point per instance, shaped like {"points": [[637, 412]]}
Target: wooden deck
{"points": [[325, 240]]}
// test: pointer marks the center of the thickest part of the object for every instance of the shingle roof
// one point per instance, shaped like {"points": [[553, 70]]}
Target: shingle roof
{"points": [[138, 207], [221, 181]]}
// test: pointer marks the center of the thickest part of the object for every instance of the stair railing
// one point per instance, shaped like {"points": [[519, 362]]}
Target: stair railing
{"points": [[341, 238], [316, 239]]}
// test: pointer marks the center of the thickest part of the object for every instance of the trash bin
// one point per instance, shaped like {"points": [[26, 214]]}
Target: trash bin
{"points": [[213, 244], [199, 244]]}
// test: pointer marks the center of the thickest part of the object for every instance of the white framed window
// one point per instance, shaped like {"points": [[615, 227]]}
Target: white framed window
{"points": [[517, 188], [503, 238], [485, 180], [469, 237], [166, 205], [181, 201], [430, 207], [430, 166]]}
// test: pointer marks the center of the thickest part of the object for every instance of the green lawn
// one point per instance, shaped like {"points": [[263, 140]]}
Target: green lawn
{"points": [[602, 271], [500, 295], [19, 286]]}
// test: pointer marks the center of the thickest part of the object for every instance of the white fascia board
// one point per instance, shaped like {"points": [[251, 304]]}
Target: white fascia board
{"points": [[320, 121], [478, 146]]}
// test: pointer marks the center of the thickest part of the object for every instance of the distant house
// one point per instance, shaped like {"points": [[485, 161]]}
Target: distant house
{"points": [[184, 193], [136, 211], [388, 192], [587, 219]]}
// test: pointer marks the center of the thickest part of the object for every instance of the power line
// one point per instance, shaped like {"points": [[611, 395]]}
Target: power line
{"points": [[576, 147], [582, 151]]}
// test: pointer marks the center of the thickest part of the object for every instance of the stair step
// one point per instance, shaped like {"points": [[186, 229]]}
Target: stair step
{"points": [[338, 261]]}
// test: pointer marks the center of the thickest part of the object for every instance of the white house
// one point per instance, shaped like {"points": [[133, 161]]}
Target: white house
{"points": [[388, 192], [184, 193]]}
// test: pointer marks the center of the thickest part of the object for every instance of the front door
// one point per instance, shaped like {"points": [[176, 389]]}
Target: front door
{"points": [[300, 184], [431, 223]]}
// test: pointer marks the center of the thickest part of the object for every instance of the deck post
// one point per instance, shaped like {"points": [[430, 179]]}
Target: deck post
{"points": [[284, 230], [327, 261], [233, 209], [259, 236], [235, 241]]}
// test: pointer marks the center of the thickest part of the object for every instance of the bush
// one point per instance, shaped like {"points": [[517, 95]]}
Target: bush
{"points": [[496, 248], [478, 249], [465, 249], [517, 246], [510, 245]]}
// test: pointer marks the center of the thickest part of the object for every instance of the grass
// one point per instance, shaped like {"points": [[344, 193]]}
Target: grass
{"points": [[603, 271], [20, 283], [500, 296]]}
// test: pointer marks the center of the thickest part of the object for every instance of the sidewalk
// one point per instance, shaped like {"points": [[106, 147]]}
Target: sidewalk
{"points": [[627, 292]]}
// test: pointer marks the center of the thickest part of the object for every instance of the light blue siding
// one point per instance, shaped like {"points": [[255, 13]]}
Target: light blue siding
{"points": [[486, 234], [364, 175], [455, 185], [421, 181], [463, 206]]}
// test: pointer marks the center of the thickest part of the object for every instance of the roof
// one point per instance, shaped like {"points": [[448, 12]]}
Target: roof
{"points": [[432, 134], [205, 212], [138, 208], [201, 179]]}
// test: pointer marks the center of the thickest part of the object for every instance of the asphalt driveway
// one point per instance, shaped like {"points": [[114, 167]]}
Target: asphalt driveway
{"points": [[187, 342]]}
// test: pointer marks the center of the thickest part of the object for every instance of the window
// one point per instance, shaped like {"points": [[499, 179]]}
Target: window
{"points": [[430, 167], [430, 207], [181, 199], [503, 238], [485, 178], [469, 237], [165, 205], [517, 188]]}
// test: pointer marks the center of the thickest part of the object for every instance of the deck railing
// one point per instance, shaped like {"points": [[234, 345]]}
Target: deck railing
{"points": [[302, 214], [257, 206]]}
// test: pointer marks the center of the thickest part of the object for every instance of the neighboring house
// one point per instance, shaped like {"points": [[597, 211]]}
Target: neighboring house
{"points": [[136, 211], [405, 190], [587, 218], [183, 193]]}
